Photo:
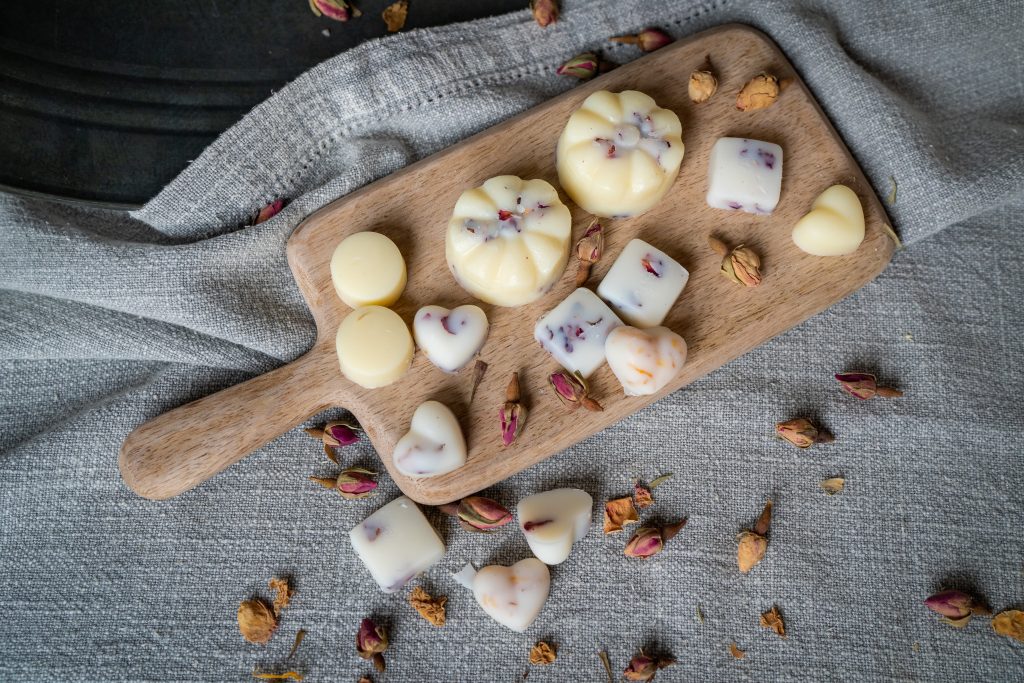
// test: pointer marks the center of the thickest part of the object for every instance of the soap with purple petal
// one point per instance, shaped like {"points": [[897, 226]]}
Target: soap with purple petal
{"points": [[643, 284], [574, 331], [744, 175], [396, 543]]}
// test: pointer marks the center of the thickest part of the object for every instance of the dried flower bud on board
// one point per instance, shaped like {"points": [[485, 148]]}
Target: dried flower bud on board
{"points": [[760, 92], [512, 414], [702, 86]]}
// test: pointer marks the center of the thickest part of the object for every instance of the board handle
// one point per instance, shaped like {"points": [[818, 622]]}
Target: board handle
{"points": [[184, 447]]}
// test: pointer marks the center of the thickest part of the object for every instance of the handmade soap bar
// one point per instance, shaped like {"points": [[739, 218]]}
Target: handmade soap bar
{"points": [[619, 153], [645, 361], [374, 346], [512, 596], [450, 338], [508, 240], [745, 175], [396, 543], [642, 284], [574, 331], [367, 269], [835, 225], [434, 443], [552, 521]]}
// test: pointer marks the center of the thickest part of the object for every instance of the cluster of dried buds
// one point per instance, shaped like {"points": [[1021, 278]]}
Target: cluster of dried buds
{"points": [[648, 541], [643, 667], [742, 265], [864, 385], [572, 390], [371, 642], [353, 483], [512, 413], [753, 543], [957, 607], [479, 514], [589, 250], [802, 433]]}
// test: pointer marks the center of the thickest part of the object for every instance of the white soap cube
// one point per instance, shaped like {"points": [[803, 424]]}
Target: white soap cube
{"points": [[396, 543], [574, 331], [642, 284], [745, 175]]}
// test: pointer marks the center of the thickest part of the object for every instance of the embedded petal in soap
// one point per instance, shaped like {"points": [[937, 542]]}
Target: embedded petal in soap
{"points": [[434, 444], [513, 596], [835, 225]]}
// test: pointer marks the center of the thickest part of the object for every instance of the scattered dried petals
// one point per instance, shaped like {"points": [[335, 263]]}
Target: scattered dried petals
{"points": [[643, 667], [648, 40], [339, 10], [658, 481], [542, 653], [478, 376], [618, 513], [802, 433], [736, 652], [299, 637], [256, 621], [642, 495], [834, 485], [760, 92], [545, 12], [582, 66], [773, 620], [394, 15], [430, 608], [287, 675], [1010, 624], [283, 593], [703, 85]]}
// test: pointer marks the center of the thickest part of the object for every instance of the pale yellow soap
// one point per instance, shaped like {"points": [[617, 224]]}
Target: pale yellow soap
{"points": [[374, 346], [834, 226], [367, 269]]}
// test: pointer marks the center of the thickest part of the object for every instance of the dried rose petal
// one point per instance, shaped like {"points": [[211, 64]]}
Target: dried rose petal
{"points": [[773, 620], [545, 12], [582, 66], [428, 607], [283, 592], [642, 496], [618, 513], [702, 86], [268, 211]]}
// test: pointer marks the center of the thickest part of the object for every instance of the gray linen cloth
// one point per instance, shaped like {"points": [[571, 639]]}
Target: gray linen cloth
{"points": [[107, 320]]}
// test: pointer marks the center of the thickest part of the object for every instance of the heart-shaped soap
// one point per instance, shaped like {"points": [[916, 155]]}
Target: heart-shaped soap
{"points": [[835, 225], [513, 596], [552, 521], [644, 361], [434, 444], [450, 338]]}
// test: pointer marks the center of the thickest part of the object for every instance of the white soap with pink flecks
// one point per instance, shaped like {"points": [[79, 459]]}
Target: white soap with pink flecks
{"points": [[643, 284], [745, 175], [396, 543], [574, 331]]}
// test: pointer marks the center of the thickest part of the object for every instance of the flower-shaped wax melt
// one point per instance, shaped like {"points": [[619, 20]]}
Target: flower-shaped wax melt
{"points": [[619, 153], [508, 240]]}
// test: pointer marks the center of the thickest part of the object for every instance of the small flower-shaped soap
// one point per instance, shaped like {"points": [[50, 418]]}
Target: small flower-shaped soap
{"points": [[619, 153], [508, 240]]}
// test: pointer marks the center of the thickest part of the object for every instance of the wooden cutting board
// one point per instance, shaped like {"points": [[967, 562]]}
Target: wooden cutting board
{"points": [[719, 320]]}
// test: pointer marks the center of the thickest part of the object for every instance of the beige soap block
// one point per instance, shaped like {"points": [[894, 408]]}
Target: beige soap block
{"points": [[835, 225], [368, 270], [374, 346]]}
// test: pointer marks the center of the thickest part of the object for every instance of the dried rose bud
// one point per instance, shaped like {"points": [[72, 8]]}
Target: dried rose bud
{"points": [[477, 513], [649, 541], [753, 543], [642, 495], [512, 413], [589, 250], [339, 10], [340, 434], [864, 385], [743, 266], [956, 607], [268, 211], [582, 66], [702, 86], [545, 12], [801, 432], [643, 667], [573, 391], [759, 92], [371, 641], [648, 40], [256, 621], [355, 482]]}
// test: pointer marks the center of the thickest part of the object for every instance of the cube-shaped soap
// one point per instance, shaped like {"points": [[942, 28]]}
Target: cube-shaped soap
{"points": [[642, 284], [396, 543], [574, 331], [745, 175]]}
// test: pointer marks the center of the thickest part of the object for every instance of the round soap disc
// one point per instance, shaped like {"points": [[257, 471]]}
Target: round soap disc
{"points": [[367, 269], [374, 346]]}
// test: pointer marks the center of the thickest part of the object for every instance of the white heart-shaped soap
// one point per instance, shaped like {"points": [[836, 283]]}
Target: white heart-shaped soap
{"points": [[513, 596], [552, 521], [434, 444], [835, 225], [644, 361], [450, 338]]}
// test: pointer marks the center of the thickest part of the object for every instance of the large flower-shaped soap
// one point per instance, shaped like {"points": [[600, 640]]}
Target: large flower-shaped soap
{"points": [[508, 240], [619, 153]]}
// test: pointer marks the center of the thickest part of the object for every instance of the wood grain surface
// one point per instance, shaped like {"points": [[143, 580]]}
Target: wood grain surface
{"points": [[719, 320]]}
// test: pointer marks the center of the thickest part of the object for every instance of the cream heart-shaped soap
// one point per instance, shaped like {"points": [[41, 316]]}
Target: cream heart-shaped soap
{"points": [[835, 225], [552, 521], [434, 444], [644, 361], [450, 338], [513, 596]]}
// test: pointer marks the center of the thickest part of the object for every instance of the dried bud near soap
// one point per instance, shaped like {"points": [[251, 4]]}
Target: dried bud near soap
{"points": [[743, 266], [339, 10], [618, 513], [371, 642], [582, 66], [256, 621], [512, 414], [268, 211], [545, 12], [802, 433], [753, 543], [864, 385], [643, 667], [957, 607], [702, 86], [356, 482], [477, 513], [1010, 624], [428, 607], [648, 40], [572, 390], [589, 251], [340, 434], [760, 92], [649, 541]]}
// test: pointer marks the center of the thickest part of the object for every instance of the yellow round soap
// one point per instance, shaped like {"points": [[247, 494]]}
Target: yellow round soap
{"points": [[374, 346], [367, 269]]}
